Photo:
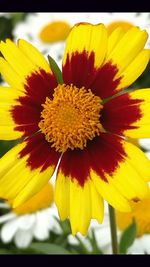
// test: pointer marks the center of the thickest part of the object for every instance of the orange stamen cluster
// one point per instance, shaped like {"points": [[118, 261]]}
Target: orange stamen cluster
{"points": [[71, 118]]}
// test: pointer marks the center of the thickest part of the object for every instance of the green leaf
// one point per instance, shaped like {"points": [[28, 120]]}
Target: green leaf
{"points": [[128, 237], [46, 248], [56, 70], [65, 226]]}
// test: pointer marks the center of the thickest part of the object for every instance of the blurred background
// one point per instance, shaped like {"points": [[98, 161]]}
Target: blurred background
{"points": [[40, 231]]}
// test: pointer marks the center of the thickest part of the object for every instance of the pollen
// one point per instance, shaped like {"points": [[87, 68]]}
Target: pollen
{"points": [[41, 200], [140, 213], [71, 118]]}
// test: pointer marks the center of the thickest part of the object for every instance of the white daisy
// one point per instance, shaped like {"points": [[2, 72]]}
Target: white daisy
{"points": [[34, 219], [31, 27]]}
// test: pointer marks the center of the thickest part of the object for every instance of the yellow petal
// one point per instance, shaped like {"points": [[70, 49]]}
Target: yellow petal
{"points": [[43, 199], [20, 62], [128, 181], [17, 59], [37, 181], [33, 55], [142, 124], [94, 39], [113, 39], [135, 69], [125, 25], [10, 75], [8, 98], [80, 207], [128, 48], [110, 193], [62, 195], [21, 175], [97, 203], [78, 203]]}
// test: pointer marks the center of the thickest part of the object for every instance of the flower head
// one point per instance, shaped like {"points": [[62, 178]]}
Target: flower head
{"points": [[33, 219], [84, 121], [140, 213]]}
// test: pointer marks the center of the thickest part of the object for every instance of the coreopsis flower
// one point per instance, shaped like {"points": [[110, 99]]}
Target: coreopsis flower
{"points": [[33, 219], [82, 120]]}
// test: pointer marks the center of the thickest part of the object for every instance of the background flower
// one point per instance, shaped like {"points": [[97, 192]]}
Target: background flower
{"points": [[39, 21], [34, 219]]}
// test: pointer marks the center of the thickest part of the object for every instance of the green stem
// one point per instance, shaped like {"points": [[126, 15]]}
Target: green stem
{"points": [[113, 230]]}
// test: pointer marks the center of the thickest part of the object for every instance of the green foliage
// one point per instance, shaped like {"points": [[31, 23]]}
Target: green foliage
{"points": [[5, 251], [56, 70], [6, 28], [46, 248], [127, 238], [17, 17], [7, 24], [94, 245]]}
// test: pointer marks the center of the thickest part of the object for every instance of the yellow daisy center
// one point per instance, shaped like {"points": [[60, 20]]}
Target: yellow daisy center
{"points": [[71, 118], [41, 200], [141, 214], [55, 32], [126, 25]]}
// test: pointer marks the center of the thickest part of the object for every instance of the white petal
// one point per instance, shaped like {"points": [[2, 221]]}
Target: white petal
{"points": [[145, 241], [4, 206], [147, 154], [136, 248], [7, 217], [23, 238], [72, 240], [41, 231], [145, 143], [9, 229], [52, 214], [27, 221]]}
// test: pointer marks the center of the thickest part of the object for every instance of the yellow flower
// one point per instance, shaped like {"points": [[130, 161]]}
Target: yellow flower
{"points": [[82, 121]]}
